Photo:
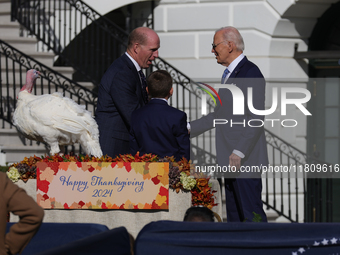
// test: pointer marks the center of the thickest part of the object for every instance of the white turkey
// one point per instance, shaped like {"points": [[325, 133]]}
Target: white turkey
{"points": [[55, 119]]}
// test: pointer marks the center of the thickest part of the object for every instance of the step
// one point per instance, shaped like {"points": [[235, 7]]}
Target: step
{"points": [[5, 7], [16, 155], [90, 108], [5, 104], [10, 29], [45, 58], [272, 216], [282, 219], [5, 17], [41, 57], [4, 122], [65, 71], [5, 125], [17, 76], [30, 146], [11, 93], [88, 85], [24, 44], [11, 77], [11, 136]]}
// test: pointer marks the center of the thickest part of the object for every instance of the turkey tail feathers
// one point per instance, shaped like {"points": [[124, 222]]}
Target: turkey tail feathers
{"points": [[91, 145]]}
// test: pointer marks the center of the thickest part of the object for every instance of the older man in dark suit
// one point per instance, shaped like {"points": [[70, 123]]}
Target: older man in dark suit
{"points": [[241, 142], [123, 90]]}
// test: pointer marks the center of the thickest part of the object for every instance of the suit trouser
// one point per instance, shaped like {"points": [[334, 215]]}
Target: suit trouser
{"points": [[114, 147], [243, 197]]}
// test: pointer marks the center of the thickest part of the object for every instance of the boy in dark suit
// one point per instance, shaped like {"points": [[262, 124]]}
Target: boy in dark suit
{"points": [[157, 127]]}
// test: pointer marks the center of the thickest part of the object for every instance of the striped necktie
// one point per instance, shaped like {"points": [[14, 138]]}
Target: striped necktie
{"points": [[144, 92], [225, 73]]}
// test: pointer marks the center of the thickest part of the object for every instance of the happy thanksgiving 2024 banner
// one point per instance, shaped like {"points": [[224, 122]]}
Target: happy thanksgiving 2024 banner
{"points": [[103, 185]]}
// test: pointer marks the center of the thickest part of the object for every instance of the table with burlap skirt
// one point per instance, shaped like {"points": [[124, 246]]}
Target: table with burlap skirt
{"points": [[133, 220]]}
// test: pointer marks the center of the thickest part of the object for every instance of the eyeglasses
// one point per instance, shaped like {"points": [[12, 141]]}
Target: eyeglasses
{"points": [[215, 45]]}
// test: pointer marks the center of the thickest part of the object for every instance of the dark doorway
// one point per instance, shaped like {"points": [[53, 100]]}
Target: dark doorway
{"points": [[323, 130]]}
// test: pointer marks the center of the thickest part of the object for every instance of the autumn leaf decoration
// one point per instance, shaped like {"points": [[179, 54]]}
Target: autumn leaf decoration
{"points": [[202, 194]]}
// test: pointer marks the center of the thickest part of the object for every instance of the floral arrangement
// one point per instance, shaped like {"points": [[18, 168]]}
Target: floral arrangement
{"points": [[202, 193], [179, 173], [13, 174]]}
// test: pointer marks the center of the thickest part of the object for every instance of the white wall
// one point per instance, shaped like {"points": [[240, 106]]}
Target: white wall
{"points": [[105, 6]]}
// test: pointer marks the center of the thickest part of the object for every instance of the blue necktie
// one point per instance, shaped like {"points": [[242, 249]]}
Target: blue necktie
{"points": [[144, 92], [225, 73]]}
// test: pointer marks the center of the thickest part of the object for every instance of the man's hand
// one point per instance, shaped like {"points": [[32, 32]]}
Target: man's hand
{"points": [[235, 160]]}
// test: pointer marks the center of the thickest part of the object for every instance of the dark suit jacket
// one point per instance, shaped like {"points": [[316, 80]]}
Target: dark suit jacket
{"points": [[249, 140], [14, 199], [160, 129], [119, 94], [243, 195]]}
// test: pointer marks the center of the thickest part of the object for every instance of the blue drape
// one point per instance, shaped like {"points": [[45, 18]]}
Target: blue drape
{"points": [[52, 235], [168, 237]]}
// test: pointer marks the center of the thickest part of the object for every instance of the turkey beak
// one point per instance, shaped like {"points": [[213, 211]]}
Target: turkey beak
{"points": [[39, 74]]}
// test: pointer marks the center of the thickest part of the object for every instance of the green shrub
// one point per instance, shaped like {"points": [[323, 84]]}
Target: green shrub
{"points": [[4, 168]]}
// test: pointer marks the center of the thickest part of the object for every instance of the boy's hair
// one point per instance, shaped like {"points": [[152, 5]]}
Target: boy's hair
{"points": [[159, 84], [199, 214]]}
